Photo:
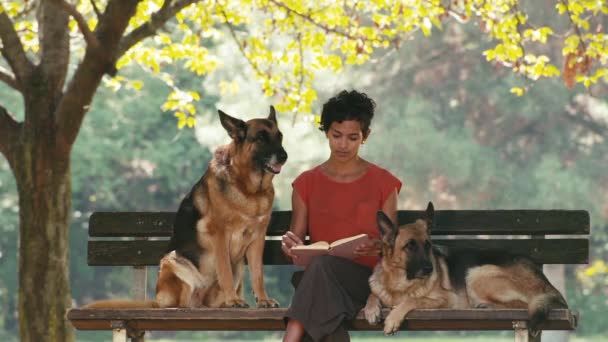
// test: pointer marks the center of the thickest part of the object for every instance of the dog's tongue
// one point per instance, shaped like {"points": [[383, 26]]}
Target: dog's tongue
{"points": [[276, 168]]}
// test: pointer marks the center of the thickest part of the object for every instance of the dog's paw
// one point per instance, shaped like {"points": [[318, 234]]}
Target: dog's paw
{"points": [[235, 303], [392, 322], [373, 313], [267, 303]]}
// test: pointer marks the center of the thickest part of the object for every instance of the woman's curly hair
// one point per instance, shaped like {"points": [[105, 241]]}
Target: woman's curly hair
{"points": [[348, 105]]}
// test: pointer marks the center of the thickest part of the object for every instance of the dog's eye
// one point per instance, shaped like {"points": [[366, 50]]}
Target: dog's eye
{"points": [[427, 245], [410, 245], [262, 136]]}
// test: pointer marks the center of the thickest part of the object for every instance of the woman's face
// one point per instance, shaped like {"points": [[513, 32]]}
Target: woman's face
{"points": [[345, 139]]}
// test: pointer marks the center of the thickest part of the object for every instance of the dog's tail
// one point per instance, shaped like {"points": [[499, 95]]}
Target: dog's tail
{"points": [[540, 306], [121, 304]]}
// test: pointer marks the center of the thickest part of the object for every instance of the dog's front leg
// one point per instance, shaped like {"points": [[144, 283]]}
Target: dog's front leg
{"points": [[255, 254], [397, 315], [225, 275], [373, 309]]}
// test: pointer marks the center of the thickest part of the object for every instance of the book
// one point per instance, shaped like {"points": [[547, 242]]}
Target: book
{"points": [[344, 248]]}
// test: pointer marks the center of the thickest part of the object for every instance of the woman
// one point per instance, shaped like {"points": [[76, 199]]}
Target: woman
{"points": [[334, 200]]}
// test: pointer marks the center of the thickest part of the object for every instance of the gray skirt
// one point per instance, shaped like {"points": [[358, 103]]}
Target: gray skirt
{"points": [[331, 290]]}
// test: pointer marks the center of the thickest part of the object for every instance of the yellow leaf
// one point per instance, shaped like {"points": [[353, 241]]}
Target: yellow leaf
{"points": [[587, 82], [190, 121], [195, 95], [426, 27], [590, 272], [517, 91], [490, 54], [437, 22]]}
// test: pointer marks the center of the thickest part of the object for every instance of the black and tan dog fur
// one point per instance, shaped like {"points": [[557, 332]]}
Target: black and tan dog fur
{"points": [[222, 221], [415, 274]]}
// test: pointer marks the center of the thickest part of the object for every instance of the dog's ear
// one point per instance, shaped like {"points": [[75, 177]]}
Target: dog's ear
{"points": [[429, 216], [236, 128], [272, 116], [385, 225]]}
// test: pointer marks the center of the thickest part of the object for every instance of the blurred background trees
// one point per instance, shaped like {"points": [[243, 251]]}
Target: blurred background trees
{"points": [[457, 129]]}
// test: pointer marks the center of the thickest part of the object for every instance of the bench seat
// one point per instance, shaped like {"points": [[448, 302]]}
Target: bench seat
{"points": [[272, 319]]}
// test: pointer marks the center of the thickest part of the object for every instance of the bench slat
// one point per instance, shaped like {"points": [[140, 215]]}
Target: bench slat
{"points": [[272, 319], [544, 251], [447, 222]]}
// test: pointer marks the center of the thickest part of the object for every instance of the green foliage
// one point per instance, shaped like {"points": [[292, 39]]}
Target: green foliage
{"points": [[591, 297], [287, 43]]}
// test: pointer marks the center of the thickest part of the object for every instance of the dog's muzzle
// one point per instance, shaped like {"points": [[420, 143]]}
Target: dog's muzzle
{"points": [[425, 271], [276, 162]]}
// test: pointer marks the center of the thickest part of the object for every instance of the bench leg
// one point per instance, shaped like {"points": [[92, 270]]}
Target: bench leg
{"points": [[522, 334], [521, 331], [119, 334]]}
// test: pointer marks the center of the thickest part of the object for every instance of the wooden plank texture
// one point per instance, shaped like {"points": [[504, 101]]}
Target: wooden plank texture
{"points": [[505, 222], [543, 251], [272, 319], [447, 222]]}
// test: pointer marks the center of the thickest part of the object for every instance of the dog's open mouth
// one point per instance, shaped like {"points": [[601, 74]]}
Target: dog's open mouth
{"points": [[273, 168]]}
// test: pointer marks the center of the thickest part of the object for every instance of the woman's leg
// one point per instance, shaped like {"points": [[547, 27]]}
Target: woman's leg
{"points": [[294, 331], [331, 290]]}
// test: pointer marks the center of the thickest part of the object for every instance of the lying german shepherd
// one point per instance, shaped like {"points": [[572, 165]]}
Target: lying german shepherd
{"points": [[221, 222], [414, 274]]}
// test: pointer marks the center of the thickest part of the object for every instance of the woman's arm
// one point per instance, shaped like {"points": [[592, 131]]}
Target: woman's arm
{"points": [[299, 224], [390, 206]]}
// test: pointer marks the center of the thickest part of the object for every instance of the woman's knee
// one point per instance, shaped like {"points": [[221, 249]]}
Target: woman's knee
{"points": [[321, 262]]}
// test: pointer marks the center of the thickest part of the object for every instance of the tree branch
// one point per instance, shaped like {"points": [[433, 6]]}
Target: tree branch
{"points": [[54, 40], [6, 77], [9, 131], [97, 61], [589, 124], [241, 46], [157, 20], [320, 25], [27, 10], [95, 9], [89, 37], [13, 51]]}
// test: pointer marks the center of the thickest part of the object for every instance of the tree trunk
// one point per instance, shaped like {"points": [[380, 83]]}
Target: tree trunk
{"points": [[42, 172]]}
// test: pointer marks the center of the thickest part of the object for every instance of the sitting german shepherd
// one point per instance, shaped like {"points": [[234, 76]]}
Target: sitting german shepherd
{"points": [[222, 221], [413, 274]]}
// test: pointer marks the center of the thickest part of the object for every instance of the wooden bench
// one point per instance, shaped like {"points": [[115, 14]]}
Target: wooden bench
{"points": [[138, 239]]}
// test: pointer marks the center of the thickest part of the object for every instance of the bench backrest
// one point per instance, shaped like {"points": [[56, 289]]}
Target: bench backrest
{"points": [[557, 236]]}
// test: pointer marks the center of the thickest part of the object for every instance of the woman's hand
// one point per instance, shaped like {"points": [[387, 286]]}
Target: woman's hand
{"points": [[371, 248], [289, 240]]}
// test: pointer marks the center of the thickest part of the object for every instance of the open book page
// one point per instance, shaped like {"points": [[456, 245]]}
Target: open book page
{"points": [[313, 246], [343, 248], [305, 253]]}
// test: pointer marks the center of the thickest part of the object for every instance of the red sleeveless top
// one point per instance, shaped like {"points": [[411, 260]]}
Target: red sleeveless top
{"points": [[337, 210]]}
